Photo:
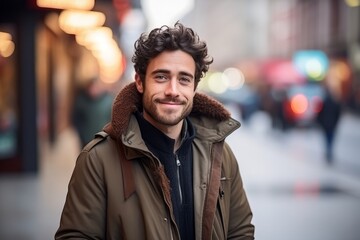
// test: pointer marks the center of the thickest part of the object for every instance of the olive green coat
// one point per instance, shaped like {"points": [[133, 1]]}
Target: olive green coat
{"points": [[119, 190]]}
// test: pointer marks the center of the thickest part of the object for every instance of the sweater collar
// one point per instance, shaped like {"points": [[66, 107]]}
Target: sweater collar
{"points": [[163, 143]]}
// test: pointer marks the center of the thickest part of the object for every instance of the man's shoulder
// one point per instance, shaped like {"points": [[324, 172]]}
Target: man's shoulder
{"points": [[98, 138], [101, 150]]}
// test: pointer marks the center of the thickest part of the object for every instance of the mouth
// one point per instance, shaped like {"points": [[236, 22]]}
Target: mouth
{"points": [[170, 102], [169, 105]]}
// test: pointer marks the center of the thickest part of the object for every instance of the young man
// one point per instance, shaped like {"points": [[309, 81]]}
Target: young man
{"points": [[161, 168]]}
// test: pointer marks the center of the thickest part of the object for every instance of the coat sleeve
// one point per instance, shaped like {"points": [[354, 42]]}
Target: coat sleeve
{"points": [[83, 216], [240, 214]]}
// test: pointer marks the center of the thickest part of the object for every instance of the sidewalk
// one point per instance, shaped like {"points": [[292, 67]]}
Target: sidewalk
{"points": [[294, 194], [296, 155], [31, 204]]}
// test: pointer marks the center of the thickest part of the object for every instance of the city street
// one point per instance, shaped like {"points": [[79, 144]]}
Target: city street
{"points": [[293, 193], [284, 57]]}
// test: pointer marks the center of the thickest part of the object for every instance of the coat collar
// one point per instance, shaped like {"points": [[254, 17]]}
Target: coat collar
{"points": [[129, 100]]}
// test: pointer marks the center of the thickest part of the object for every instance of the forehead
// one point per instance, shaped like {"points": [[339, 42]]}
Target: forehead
{"points": [[173, 61]]}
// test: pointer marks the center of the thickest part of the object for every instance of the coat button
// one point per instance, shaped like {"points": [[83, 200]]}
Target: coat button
{"points": [[203, 186], [165, 219]]}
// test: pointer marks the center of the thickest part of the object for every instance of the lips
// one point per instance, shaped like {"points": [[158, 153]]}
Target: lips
{"points": [[170, 102]]}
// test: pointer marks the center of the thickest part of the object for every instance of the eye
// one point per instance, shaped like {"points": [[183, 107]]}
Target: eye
{"points": [[185, 80], [160, 77]]}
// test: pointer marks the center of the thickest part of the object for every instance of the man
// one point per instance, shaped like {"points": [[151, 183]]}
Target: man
{"points": [[91, 110], [329, 115], [161, 168]]}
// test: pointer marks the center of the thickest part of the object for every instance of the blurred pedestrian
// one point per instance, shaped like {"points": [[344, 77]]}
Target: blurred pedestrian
{"points": [[278, 97], [161, 169], [329, 116], [8, 133], [91, 110]]}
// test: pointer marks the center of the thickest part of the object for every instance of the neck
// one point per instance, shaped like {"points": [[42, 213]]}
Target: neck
{"points": [[173, 132]]}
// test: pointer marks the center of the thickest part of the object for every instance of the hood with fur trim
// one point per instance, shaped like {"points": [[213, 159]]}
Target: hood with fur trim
{"points": [[129, 100]]}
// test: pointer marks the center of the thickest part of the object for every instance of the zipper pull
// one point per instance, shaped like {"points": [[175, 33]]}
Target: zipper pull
{"points": [[178, 163]]}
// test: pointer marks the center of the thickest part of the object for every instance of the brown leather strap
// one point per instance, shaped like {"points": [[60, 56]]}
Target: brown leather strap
{"points": [[213, 191], [127, 173], [126, 165]]}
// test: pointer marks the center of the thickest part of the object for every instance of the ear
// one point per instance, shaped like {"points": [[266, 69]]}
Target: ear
{"points": [[139, 83]]}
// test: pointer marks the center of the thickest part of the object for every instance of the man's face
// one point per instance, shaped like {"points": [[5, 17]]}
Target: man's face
{"points": [[168, 89]]}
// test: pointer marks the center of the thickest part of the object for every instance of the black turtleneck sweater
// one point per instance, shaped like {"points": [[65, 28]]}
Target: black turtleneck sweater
{"points": [[178, 168]]}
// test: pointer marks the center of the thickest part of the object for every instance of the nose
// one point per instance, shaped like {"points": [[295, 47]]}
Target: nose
{"points": [[172, 88]]}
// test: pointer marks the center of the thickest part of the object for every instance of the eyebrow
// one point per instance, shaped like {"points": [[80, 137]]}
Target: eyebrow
{"points": [[168, 72]]}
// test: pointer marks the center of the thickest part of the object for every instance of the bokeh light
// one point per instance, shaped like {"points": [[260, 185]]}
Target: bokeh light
{"points": [[299, 104], [234, 77]]}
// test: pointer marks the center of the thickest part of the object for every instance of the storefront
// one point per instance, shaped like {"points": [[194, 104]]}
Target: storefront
{"points": [[40, 68], [18, 136]]}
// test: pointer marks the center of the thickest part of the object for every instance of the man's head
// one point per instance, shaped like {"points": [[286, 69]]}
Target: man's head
{"points": [[169, 63], [166, 38]]}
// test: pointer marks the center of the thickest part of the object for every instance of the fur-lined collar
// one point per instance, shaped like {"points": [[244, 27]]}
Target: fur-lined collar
{"points": [[129, 101]]}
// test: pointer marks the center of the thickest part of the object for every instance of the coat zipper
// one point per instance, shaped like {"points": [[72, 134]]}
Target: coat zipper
{"points": [[178, 164]]}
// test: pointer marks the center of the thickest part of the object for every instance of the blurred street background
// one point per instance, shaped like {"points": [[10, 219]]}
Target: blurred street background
{"points": [[288, 70]]}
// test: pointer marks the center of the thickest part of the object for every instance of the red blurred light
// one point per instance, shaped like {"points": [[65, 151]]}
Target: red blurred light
{"points": [[299, 104]]}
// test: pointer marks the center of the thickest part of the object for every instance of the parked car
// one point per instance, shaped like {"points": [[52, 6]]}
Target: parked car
{"points": [[297, 105]]}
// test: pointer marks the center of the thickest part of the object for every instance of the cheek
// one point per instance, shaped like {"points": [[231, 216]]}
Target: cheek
{"points": [[190, 95]]}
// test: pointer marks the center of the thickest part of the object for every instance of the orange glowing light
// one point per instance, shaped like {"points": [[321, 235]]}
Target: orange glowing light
{"points": [[76, 21], [67, 4], [299, 104], [7, 46]]}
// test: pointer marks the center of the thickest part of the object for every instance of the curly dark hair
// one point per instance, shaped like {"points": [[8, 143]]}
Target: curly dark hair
{"points": [[166, 38]]}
